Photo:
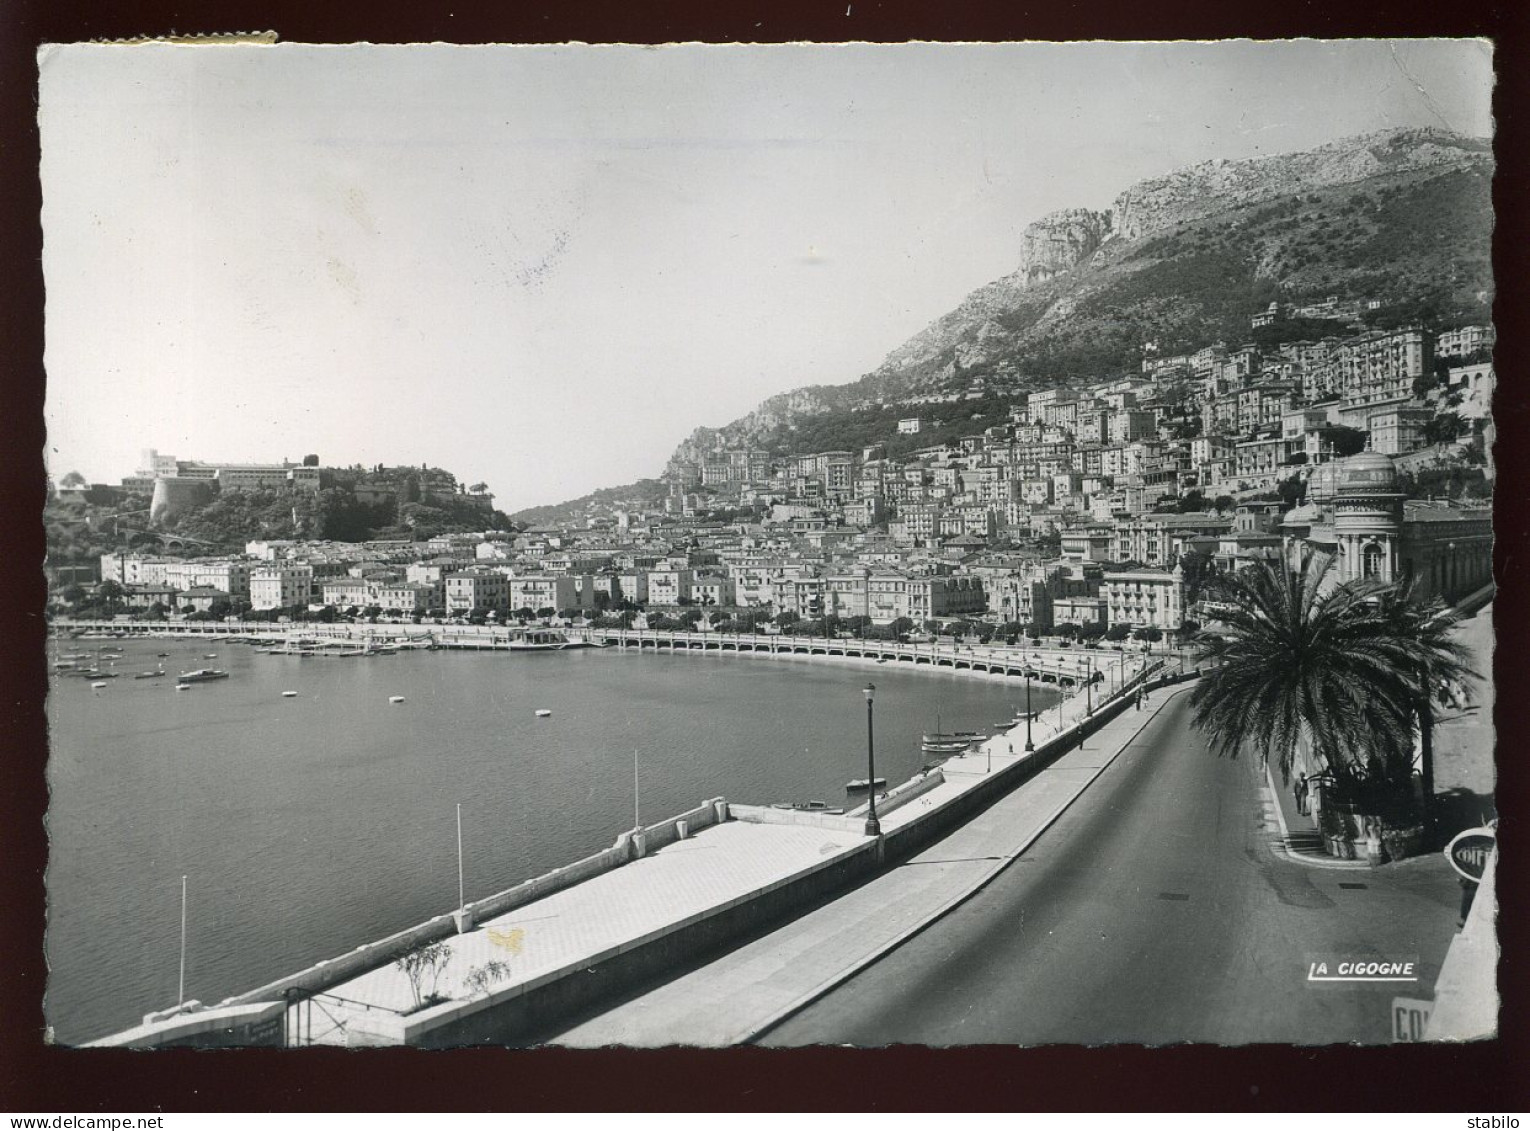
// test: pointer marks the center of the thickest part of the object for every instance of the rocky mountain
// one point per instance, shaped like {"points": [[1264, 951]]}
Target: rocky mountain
{"points": [[1060, 241], [1214, 187], [1179, 261]]}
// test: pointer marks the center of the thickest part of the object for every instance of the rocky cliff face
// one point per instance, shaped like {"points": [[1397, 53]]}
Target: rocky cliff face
{"points": [[1059, 241], [1089, 287], [1219, 186]]}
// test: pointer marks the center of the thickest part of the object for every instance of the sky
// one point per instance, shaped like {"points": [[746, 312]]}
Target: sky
{"points": [[543, 267]]}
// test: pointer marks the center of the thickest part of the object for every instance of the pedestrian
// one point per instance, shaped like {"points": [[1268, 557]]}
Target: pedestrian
{"points": [[1301, 794]]}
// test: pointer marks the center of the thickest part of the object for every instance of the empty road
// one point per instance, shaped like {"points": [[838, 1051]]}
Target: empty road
{"points": [[1156, 910]]}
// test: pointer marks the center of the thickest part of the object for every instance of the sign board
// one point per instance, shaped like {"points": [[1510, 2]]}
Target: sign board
{"points": [[1469, 852], [1410, 1019]]}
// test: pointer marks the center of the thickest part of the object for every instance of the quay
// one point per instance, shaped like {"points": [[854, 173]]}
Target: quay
{"points": [[524, 961], [1065, 667]]}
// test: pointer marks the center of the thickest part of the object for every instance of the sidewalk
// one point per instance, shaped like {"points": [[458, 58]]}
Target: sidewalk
{"points": [[1463, 748], [749, 990], [1300, 839]]}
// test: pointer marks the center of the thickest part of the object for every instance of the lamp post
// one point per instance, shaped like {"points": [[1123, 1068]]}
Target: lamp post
{"points": [[1029, 745], [1088, 688], [873, 826]]}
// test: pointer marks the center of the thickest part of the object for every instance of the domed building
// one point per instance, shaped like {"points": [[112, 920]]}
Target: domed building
{"points": [[1356, 512]]}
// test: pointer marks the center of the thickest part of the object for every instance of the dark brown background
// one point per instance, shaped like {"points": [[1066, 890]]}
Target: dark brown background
{"points": [[1484, 1077]]}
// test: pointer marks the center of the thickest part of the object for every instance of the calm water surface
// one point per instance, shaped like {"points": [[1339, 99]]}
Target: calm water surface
{"points": [[310, 825]]}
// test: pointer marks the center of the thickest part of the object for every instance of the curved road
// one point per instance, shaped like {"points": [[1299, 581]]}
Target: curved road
{"points": [[1156, 910]]}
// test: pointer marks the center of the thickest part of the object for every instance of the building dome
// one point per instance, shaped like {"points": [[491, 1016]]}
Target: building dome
{"points": [[1366, 473]]}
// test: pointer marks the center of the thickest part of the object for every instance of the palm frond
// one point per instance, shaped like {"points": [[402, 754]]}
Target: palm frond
{"points": [[1340, 666]]}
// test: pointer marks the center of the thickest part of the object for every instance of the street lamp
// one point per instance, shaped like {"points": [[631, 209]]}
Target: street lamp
{"points": [[1029, 745], [1088, 688], [873, 827]]}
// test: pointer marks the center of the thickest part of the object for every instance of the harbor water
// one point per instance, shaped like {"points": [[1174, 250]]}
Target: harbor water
{"points": [[312, 823]]}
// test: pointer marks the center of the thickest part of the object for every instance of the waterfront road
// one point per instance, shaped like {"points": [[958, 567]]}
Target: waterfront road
{"points": [[1157, 909]]}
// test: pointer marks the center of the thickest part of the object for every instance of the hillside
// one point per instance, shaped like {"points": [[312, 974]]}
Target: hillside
{"points": [[645, 492], [1178, 262], [354, 506]]}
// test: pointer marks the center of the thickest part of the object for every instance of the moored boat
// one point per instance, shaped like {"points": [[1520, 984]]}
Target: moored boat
{"points": [[952, 743], [202, 675], [864, 783]]}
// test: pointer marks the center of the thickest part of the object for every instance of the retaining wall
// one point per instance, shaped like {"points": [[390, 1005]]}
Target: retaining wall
{"points": [[333, 971], [900, 795], [519, 1013], [770, 815]]}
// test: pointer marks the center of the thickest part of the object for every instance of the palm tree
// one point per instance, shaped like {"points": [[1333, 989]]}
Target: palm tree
{"points": [[1438, 666], [1300, 658]]}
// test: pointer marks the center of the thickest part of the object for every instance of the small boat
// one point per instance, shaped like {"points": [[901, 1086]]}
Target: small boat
{"points": [[395, 699], [203, 675], [863, 783], [543, 713], [148, 675], [289, 694], [164, 655], [952, 743], [210, 656], [183, 687], [98, 685]]}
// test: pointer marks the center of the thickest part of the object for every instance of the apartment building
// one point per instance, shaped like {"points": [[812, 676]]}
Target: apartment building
{"points": [[1382, 366], [231, 577], [539, 591], [477, 589], [1158, 539], [281, 586], [1144, 598]]}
